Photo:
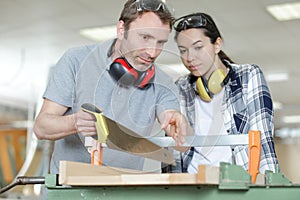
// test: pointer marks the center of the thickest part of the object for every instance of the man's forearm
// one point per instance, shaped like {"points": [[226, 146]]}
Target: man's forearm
{"points": [[53, 127]]}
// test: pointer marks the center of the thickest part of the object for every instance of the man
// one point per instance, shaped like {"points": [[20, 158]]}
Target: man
{"points": [[120, 78]]}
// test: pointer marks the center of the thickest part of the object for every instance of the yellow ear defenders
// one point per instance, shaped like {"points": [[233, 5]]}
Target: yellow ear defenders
{"points": [[206, 89]]}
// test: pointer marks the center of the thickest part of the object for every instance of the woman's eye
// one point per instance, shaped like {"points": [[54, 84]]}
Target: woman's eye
{"points": [[182, 51], [198, 48]]}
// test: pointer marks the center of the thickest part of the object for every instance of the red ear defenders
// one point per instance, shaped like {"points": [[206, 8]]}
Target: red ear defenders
{"points": [[207, 88], [122, 72]]}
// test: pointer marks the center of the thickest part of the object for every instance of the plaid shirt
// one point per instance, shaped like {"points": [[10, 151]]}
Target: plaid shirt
{"points": [[247, 105]]}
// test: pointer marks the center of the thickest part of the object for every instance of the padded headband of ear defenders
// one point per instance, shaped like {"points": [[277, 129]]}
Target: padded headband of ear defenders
{"points": [[229, 74], [121, 71]]}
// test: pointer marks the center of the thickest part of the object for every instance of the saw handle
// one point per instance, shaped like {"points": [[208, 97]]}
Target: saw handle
{"points": [[100, 124], [96, 150], [254, 154]]}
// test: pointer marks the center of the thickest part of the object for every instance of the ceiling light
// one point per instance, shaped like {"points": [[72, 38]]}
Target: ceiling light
{"points": [[277, 105], [99, 33], [291, 119], [277, 77], [287, 132], [284, 12]]}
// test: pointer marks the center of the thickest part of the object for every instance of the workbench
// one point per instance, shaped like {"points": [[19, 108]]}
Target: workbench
{"points": [[226, 182]]}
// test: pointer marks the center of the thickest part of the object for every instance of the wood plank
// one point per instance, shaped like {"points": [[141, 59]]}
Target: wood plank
{"points": [[208, 174], [72, 170], [131, 179], [83, 174], [86, 169]]}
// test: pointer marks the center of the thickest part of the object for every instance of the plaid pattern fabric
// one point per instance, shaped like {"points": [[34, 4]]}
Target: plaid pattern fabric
{"points": [[247, 105]]}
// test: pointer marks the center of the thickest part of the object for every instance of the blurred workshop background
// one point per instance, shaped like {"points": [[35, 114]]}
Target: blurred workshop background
{"points": [[35, 33]]}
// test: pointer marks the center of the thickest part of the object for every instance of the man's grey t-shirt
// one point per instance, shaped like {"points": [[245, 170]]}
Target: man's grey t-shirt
{"points": [[81, 76]]}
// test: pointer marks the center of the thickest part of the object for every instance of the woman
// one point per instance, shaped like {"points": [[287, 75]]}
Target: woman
{"points": [[221, 97]]}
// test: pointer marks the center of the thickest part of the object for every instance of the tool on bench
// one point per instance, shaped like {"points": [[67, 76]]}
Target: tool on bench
{"points": [[116, 136]]}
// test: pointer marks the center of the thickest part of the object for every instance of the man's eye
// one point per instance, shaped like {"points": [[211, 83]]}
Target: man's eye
{"points": [[145, 37], [161, 43], [199, 47]]}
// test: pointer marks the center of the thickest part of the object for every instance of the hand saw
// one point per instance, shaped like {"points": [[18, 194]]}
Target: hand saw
{"points": [[117, 136]]}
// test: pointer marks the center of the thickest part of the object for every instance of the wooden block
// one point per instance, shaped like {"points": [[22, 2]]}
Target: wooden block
{"points": [[83, 174], [183, 178], [86, 169], [208, 174], [159, 179]]}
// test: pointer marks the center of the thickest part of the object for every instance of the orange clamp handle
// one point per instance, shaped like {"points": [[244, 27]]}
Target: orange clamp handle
{"points": [[254, 154], [97, 154]]}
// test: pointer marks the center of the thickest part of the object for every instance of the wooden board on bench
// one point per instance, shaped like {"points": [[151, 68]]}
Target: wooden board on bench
{"points": [[84, 174]]}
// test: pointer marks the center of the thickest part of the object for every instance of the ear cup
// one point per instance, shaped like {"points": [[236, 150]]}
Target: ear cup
{"points": [[202, 89], [215, 81], [214, 85], [146, 77], [122, 72]]}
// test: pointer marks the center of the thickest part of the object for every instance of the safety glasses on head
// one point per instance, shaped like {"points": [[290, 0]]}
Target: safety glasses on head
{"points": [[196, 20], [150, 5]]}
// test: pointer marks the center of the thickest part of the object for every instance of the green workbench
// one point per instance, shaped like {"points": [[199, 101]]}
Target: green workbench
{"points": [[173, 192], [234, 184]]}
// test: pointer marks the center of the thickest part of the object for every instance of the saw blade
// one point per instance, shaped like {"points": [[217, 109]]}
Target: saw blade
{"points": [[198, 141], [124, 139]]}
